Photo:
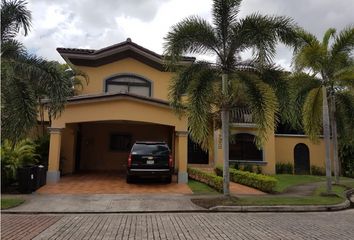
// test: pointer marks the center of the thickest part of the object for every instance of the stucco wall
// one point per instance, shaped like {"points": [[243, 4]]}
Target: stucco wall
{"points": [[97, 75], [284, 149], [120, 109], [268, 149]]}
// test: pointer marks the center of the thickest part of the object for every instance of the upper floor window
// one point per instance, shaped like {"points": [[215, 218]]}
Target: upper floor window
{"points": [[128, 84]]}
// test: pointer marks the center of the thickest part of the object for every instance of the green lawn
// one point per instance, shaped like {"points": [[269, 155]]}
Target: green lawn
{"points": [[348, 182], [198, 187], [10, 202], [271, 200], [287, 180]]}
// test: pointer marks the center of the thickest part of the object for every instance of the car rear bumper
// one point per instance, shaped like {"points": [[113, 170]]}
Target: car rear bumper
{"points": [[149, 172]]}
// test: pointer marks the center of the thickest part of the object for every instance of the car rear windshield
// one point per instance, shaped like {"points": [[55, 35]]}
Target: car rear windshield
{"points": [[154, 149]]}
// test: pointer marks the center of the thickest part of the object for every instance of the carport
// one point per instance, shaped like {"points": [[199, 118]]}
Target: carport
{"points": [[95, 133]]}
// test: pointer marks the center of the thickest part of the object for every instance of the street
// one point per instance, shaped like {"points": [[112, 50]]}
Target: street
{"points": [[325, 225]]}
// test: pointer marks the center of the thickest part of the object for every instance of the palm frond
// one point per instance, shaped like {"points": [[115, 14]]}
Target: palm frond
{"points": [[262, 32], [199, 106], [224, 17], [192, 35], [181, 82], [343, 43], [14, 17], [327, 36], [263, 103], [11, 49], [300, 85], [277, 80], [345, 77], [312, 114], [344, 116], [19, 111]]}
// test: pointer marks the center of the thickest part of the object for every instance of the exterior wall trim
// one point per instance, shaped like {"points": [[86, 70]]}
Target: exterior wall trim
{"points": [[55, 130], [294, 135], [182, 133]]}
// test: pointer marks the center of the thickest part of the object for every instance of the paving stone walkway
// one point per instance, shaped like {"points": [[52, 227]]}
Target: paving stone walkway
{"points": [[297, 226]]}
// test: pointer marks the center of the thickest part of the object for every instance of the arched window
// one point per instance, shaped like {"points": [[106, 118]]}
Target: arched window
{"points": [[243, 148], [128, 83]]}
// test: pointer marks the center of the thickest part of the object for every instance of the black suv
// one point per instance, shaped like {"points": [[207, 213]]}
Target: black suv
{"points": [[150, 159]]}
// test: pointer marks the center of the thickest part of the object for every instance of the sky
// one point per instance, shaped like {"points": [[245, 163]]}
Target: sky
{"points": [[96, 24]]}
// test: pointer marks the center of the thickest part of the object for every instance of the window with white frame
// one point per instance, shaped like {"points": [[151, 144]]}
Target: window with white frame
{"points": [[128, 84]]}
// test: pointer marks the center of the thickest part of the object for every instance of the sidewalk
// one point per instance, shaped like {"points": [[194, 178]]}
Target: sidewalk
{"points": [[91, 203]]}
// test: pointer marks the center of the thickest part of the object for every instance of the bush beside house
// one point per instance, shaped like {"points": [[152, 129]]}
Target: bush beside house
{"points": [[284, 168], [259, 181], [210, 179], [14, 156]]}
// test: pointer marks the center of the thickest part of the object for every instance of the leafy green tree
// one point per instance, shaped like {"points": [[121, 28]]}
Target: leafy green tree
{"points": [[242, 82], [26, 78], [324, 88]]}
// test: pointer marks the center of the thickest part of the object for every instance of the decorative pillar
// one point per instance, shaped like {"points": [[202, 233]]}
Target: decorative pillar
{"points": [[181, 143], [53, 174]]}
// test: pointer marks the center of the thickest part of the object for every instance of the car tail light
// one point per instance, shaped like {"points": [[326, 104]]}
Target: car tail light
{"points": [[170, 162], [129, 160]]}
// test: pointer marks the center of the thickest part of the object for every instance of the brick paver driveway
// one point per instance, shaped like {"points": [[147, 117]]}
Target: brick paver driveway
{"points": [[328, 225], [110, 183]]}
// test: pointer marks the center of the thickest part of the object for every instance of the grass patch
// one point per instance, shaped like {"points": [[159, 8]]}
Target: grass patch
{"points": [[7, 203], [271, 200], [288, 180], [198, 187], [347, 182]]}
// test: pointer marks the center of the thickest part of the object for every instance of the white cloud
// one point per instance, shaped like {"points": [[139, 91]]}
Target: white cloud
{"points": [[96, 24]]}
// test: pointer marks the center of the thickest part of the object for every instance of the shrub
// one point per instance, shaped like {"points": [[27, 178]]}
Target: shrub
{"points": [[42, 149], [284, 168], [259, 181], [259, 170], [318, 171], [235, 166], [14, 156], [248, 168], [210, 179]]}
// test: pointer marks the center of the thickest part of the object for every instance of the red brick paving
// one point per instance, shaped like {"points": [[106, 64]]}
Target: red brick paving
{"points": [[15, 227]]}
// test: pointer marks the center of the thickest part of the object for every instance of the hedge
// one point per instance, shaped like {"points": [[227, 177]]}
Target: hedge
{"points": [[211, 179], [259, 181]]}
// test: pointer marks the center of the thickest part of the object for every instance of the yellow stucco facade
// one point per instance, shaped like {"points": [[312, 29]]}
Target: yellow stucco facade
{"points": [[80, 137]]}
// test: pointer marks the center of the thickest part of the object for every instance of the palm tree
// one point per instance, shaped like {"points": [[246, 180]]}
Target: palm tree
{"points": [[241, 82], [26, 79], [326, 88]]}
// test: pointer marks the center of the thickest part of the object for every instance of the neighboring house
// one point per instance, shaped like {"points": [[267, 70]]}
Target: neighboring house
{"points": [[126, 100]]}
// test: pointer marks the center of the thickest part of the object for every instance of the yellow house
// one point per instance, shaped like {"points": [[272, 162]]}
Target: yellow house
{"points": [[126, 101]]}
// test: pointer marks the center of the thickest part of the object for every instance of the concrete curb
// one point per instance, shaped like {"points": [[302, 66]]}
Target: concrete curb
{"points": [[284, 208]]}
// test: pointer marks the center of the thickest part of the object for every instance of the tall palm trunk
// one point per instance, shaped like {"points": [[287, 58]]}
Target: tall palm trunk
{"points": [[334, 139], [225, 138], [326, 135]]}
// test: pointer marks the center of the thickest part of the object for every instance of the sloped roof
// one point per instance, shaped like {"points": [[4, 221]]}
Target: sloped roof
{"points": [[126, 49]]}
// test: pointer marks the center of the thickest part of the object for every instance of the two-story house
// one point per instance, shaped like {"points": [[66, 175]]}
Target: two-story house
{"points": [[126, 100]]}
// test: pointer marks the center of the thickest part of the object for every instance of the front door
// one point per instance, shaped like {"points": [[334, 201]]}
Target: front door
{"points": [[301, 159]]}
